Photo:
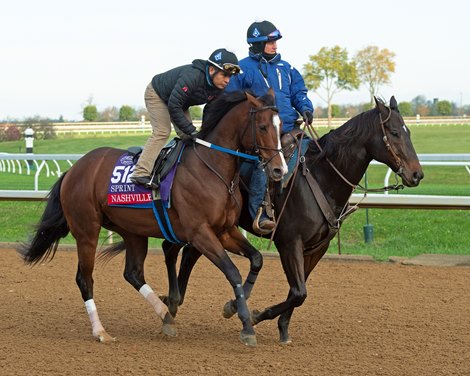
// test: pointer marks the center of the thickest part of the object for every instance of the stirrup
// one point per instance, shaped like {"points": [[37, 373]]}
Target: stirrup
{"points": [[256, 224]]}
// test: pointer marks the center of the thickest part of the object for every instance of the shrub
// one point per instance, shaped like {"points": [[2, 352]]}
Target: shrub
{"points": [[126, 113], [90, 113], [11, 133]]}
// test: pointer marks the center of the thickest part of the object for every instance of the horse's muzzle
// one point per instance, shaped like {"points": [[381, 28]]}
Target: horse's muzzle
{"points": [[277, 174], [413, 179]]}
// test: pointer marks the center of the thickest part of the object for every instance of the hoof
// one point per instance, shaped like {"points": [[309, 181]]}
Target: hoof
{"points": [[228, 310], [248, 339], [169, 327], [286, 342], [169, 330], [104, 337]]}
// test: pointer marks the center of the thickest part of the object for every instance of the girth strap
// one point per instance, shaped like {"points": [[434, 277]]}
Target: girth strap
{"points": [[333, 223], [320, 197]]}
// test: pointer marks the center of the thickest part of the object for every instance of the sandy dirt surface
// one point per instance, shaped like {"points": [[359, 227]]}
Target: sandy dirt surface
{"points": [[359, 319]]}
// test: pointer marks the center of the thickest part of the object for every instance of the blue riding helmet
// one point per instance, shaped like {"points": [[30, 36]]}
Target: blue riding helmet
{"points": [[263, 31]]}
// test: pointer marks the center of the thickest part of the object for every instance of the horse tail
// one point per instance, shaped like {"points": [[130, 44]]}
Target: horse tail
{"points": [[48, 232], [111, 252]]}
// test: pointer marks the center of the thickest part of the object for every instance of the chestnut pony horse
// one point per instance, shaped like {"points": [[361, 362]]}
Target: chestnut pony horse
{"points": [[304, 233], [206, 203]]}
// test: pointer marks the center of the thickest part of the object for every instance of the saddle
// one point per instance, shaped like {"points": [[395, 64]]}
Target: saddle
{"points": [[167, 158], [290, 141]]}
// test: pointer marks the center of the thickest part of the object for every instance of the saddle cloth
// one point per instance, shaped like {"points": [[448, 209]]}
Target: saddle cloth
{"points": [[122, 192]]}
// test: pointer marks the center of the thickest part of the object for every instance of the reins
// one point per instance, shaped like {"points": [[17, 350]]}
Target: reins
{"points": [[345, 211], [256, 149]]}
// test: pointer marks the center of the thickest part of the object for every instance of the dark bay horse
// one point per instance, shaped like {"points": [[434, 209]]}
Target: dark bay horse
{"points": [[205, 206], [304, 231]]}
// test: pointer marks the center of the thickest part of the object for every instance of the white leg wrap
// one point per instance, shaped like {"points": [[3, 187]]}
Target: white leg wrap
{"points": [[96, 326], [154, 300]]}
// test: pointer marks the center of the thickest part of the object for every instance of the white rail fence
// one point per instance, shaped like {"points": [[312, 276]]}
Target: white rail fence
{"points": [[48, 165], [144, 126]]}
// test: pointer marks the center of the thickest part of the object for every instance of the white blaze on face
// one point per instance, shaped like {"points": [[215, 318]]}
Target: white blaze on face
{"points": [[405, 129], [277, 125]]}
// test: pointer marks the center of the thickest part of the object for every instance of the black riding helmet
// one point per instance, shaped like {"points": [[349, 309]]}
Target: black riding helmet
{"points": [[259, 33], [225, 61]]}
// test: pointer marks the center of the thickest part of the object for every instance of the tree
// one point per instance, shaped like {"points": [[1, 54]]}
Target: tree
{"points": [[444, 108], [421, 105], [374, 68], [335, 111], [90, 113], [109, 114], [406, 109], [331, 70], [126, 113]]}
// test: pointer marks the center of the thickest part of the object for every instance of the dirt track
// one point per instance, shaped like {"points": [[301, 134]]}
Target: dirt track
{"points": [[359, 319]]}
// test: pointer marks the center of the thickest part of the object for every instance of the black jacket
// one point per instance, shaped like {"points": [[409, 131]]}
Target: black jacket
{"points": [[183, 87]]}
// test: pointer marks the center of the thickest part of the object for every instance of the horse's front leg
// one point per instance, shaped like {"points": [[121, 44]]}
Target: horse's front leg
{"points": [[293, 263], [188, 260], [284, 319], [235, 242], [171, 251], [209, 245]]}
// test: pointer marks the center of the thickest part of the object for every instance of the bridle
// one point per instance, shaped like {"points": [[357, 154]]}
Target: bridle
{"points": [[256, 148], [398, 161]]}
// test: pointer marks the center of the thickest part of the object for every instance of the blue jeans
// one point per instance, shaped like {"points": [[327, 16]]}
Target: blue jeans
{"points": [[257, 186]]}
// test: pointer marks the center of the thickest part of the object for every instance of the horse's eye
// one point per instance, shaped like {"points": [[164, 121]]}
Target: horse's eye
{"points": [[263, 127], [395, 133]]}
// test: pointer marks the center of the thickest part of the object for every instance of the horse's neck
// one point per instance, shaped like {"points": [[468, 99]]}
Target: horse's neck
{"points": [[227, 134], [342, 174]]}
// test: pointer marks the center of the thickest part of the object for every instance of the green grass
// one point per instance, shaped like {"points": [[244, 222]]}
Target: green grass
{"points": [[397, 232]]}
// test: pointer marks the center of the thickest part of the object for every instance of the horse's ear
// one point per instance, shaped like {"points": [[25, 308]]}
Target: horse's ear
{"points": [[271, 92], [377, 102], [255, 102], [380, 105], [393, 103]]}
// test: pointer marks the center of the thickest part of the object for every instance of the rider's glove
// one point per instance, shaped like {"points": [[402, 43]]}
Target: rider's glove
{"points": [[193, 135], [308, 117]]}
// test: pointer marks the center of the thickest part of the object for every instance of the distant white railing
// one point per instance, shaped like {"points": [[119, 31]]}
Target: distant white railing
{"points": [[13, 163], [145, 127]]}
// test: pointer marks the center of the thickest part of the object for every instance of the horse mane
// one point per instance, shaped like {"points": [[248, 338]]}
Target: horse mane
{"points": [[336, 144], [214, 111]]}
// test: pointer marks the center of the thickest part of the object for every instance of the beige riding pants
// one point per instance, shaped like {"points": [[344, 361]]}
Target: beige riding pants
{"points": [[161, 129]]}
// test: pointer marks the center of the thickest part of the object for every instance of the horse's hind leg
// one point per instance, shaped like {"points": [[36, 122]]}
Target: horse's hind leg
{"points": [[86, 248], [136, 252], [236, 243]]}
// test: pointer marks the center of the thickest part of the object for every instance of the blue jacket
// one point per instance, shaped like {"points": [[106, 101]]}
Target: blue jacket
{"points": [[288, 85]]}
